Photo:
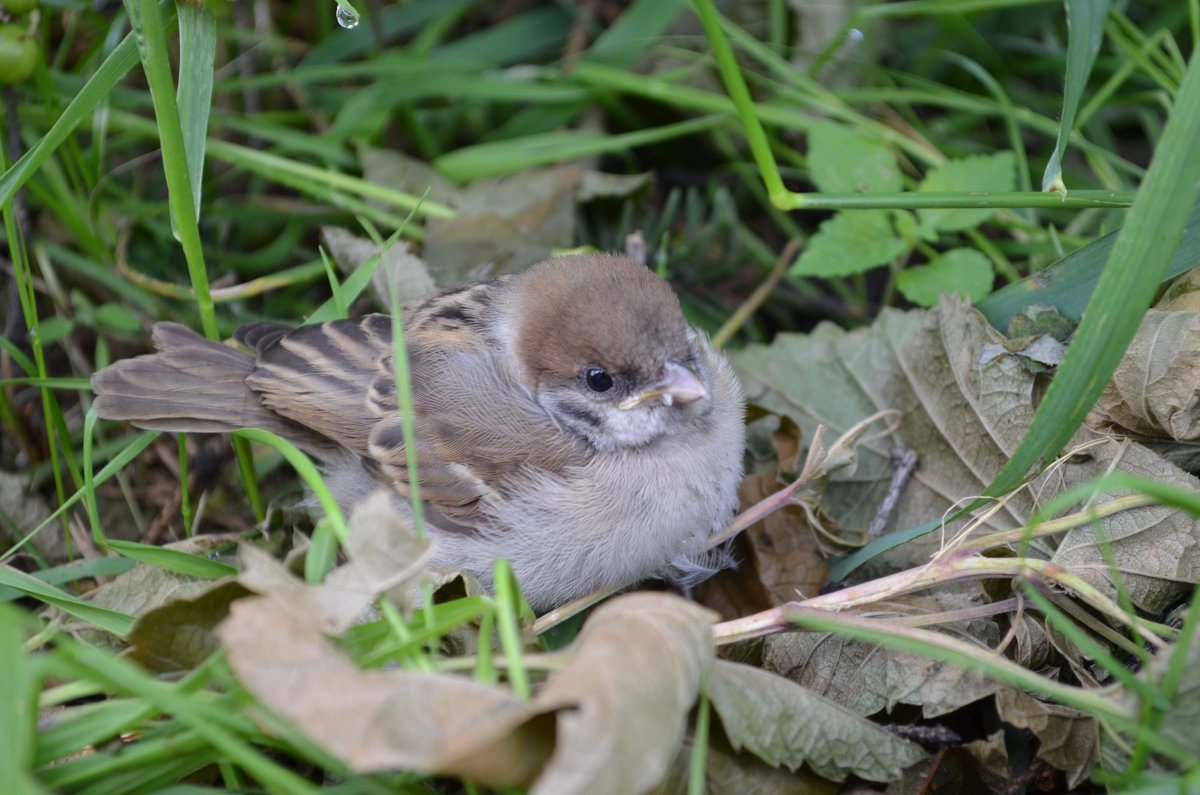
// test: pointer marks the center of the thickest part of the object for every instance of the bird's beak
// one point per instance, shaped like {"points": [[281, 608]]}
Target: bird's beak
{"points": [[675, 384]]}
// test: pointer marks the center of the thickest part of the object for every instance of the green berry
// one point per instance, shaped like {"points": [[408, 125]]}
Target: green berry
{"points": [[19, 54]]}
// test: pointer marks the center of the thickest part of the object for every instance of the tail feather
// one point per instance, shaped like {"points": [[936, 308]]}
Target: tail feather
{"points": [[191, 384]]}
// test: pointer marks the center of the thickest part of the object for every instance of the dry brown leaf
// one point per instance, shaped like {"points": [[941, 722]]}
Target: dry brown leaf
{"points": [[382, 720], [1068, 738], [178, 636], [1182, 294], [383, 557], [737, 591], [623, 701], [1155, 392], [504, 225], [399, 266], [786, 555]]}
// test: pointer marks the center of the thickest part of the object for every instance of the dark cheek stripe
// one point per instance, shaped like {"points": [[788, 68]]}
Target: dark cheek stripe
{"points": [[583, 415]]}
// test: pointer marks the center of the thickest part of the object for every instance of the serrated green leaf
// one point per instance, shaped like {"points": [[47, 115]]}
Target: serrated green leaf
{"points": [[961, 270], [978, 173], [785, 724], [850, 242], [842, 161]]}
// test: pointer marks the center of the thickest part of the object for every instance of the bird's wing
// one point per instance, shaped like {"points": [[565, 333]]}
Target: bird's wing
{"points": [[476, 428]]}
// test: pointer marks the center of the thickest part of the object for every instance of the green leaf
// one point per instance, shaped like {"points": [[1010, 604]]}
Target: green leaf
{"points": [[842, 161], [53, 329], [118, 317], [976, 174], [172, 559], [1085, 31], [1069, 283], [850, 242], [785, 724], [961, 270]]}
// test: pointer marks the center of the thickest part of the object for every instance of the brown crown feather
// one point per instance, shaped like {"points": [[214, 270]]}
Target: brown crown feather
{"points": [[597, 309]]}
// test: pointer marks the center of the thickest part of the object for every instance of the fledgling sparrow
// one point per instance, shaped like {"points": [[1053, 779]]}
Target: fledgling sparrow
{"points": [[567, 418]]}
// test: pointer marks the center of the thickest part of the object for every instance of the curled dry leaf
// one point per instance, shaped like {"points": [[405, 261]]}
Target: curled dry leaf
{"points": [[175, 612], [785, 724], [1068, 739], [382, 720], [622, 703], [383, 557], [178, 636], [1155, 391]]}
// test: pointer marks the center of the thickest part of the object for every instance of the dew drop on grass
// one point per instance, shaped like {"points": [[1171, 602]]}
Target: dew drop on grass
{"points": [[346, 16]]}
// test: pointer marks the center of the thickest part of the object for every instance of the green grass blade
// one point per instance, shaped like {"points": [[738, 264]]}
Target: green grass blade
{"points": [[111, 620], [150, 28], [1140, 257], [306, 470], [18, 701], [96, 90], [1085, 32], [1070, 283], [172, 559], [503, 157], [197, 52]]}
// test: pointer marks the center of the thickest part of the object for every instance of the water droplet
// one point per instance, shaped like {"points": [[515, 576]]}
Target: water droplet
{"points": [[854, 35], [346, 17]]}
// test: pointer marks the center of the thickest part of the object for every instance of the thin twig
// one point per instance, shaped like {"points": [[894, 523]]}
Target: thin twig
{"points": [[751, 304]]}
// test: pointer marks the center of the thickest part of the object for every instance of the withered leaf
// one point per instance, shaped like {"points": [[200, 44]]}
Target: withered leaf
{"points": [[383, 557], [622, 703], [174, 610], [1155, 391], [382, 720], [786, 724], [178, 636], [787, 558], [1068, 738]]}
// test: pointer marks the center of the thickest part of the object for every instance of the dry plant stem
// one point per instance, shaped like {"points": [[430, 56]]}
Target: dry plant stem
{"points": [[561, 614], [949, 569], [1053, 526], [756, 299], [905, 461], [950, 616]]}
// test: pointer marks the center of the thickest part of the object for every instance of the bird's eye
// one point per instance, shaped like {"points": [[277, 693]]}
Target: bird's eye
{"points": [[598, 379]]}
